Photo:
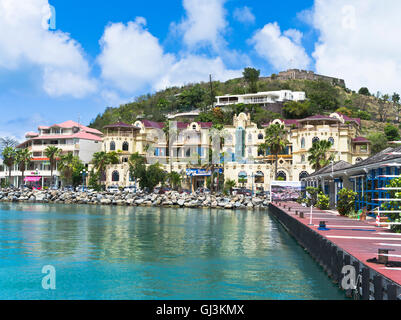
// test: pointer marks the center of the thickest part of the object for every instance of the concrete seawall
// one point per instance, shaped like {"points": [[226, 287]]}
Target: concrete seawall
{"points": [[373, 285]]}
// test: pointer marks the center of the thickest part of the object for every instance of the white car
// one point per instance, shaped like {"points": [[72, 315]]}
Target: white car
{"points": [[131, 189], [113, 189]]}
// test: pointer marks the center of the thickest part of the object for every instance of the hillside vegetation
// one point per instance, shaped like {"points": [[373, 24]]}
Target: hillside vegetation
{"points": [[376, 111]]}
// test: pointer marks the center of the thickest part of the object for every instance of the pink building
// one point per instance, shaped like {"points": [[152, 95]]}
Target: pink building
{"points": [[68, 136]]}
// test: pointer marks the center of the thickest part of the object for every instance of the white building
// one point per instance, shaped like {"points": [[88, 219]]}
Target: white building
{"points": [[68, 136], [261, 97]]}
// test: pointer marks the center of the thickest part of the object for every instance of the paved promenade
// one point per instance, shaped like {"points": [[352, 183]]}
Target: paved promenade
{"points": [[361, 239]]}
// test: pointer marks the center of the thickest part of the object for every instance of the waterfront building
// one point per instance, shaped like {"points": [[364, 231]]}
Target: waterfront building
{"points": [[261, 98], [366, 178], [69, 137], [188, 153], [253, 168]]}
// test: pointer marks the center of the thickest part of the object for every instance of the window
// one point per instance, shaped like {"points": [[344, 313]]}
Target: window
{"points": [[358, 160], [259, 177], [125, 146], [315, 139], [194, 127], [303, 158], [303, 175], [115, 176], [331, 140], [188, 153], [260, 136], [303, 143], [249, 137], [281, 175], [112, 146]]}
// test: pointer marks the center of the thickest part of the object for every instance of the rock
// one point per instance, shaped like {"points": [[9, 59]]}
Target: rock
{"points": [[181, 202], [105, 201]]}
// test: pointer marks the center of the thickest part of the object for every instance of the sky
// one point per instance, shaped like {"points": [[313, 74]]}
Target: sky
{"points": [[69, 60]]}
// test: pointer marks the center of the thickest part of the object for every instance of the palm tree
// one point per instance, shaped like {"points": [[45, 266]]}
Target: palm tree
{"points": [[23, 158], [102, 159], [166, 130], [67, 164], [319, 156], [174, 179], [9, 155], [52, 152], [275, 141], [230, 184]]}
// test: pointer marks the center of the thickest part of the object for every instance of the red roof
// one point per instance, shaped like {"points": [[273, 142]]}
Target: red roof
{"points": [[153, 124], [70, 124], [121, 125], [346, 118], [319, 117], [180, 125], [360, 139]]}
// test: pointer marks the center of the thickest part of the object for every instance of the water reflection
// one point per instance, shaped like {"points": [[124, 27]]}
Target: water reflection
{"points": [[150, 253]]}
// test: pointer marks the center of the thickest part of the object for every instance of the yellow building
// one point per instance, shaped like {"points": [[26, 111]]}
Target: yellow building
{"points": [[237, 152]]}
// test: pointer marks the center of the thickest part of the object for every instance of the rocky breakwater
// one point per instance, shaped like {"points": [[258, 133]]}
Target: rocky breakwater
{"points": [[169, 199]]}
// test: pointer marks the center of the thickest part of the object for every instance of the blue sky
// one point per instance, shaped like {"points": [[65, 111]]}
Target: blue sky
{"points": [[104, 53]]}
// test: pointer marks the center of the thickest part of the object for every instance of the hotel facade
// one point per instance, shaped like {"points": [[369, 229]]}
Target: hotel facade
{"points": [[69, 137], [196, 149]]}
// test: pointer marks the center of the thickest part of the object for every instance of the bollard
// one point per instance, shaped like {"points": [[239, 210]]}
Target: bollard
{"points": [[296, 212], [301, 214], [322, 225], [383, 255], [289, 208]]}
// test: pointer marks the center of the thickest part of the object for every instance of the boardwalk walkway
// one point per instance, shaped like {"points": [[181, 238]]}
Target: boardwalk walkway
{"points": [[361, 239]]}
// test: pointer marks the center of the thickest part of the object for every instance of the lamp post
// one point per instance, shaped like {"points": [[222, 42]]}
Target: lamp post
{"points": [[84, 174]]}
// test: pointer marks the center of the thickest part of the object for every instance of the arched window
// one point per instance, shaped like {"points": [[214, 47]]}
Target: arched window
{"points": [[188, 153], [303, 158], [194, 127], [331, 140], [358, 160], [125, 146], [303, 143], [259, 177], [303, 175], [242, 177], [281, 175], [112, 146], [260, 136], [115, 176], [315, 139]]}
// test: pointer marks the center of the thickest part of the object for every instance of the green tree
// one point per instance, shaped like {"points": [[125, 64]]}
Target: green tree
{"points": [[392, 133], [52, 152], [346, 201], [395, 98], [275, 141], [378, 141], [322, 96], [23, 159], [319, 154], [344, 110], [9, 156], [364, 91], [68, 165], [297, 109], [102, 159], [229, 185], [174, 179], [251, 76], [7, 142], [149, 177]]}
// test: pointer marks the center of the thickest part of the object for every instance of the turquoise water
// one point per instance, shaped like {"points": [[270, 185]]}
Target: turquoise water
{"points": [[153, 253]]}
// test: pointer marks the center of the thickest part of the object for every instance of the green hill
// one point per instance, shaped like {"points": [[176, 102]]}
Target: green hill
{"points": [[323, 98]]}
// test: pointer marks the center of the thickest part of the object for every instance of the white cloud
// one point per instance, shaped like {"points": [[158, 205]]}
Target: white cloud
{"points": [[195, 68], [133, 59], [282, 51], [244, 15], [23, 40], [359, 42], [131, 56], [204, 24]]}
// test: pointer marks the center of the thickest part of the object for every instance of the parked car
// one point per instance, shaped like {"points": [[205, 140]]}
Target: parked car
{"points": [[202, 190], [187, 191], [161, 190], [68, 188], [113, 189], [81, 188], [245, 192], [131, 189]]}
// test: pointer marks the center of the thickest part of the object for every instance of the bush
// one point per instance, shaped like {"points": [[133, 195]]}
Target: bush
{"points": [[323, 201], [393, 205], [312, 195], [346, 201]]}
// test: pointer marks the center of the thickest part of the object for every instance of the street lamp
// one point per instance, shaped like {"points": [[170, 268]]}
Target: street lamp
{"points": [[84, 174]]}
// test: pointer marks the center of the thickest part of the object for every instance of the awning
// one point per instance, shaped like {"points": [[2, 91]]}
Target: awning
{"points": [[32, 179]]}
